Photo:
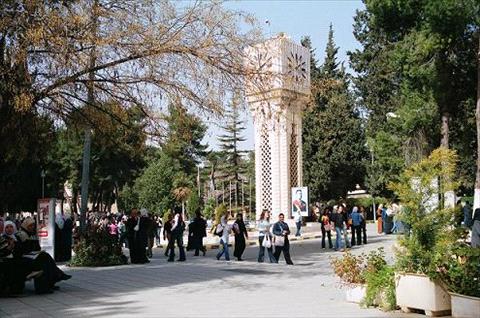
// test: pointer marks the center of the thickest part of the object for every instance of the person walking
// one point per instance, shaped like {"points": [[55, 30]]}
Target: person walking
{"points": [[158, 234], [357, 219], [167, 232], [347, 222], [338, 222], [225, 235], [298, 223], [178, 228], [122, 230], [151, 228], [264, 234], [379, 215], [326, 227], [199, 231], [281, 231], [136, 236], [241, 235], [364, 224]]}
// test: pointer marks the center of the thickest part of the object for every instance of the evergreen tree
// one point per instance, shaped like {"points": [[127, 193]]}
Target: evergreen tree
{"points": [[183, 141], [418, 62], [229, 144], [333, 138], [330, 66]]}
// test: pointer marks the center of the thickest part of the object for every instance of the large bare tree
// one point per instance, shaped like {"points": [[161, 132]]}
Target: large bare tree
{"points": [[62, 57], [146, 52]]}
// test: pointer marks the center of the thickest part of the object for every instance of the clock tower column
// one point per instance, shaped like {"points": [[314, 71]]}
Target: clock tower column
{"points": [[277, 94]]}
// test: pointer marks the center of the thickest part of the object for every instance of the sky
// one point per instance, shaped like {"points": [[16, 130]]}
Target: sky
{"points": [[298, 18]]}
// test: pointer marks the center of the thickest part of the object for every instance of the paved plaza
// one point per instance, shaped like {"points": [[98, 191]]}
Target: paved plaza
{"points": [[204, 287]]}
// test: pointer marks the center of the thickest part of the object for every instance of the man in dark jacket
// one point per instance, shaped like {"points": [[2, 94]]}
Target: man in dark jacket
{"points": [[281, 232]]}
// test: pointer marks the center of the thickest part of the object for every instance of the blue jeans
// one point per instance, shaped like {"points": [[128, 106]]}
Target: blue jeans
{"points": [[338, 238], [299, 226], [224, 250], [261, 251]]}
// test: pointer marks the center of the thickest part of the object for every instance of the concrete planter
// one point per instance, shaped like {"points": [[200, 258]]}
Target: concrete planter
{"points": [[355, 293], [465, 306], [419, 292]]}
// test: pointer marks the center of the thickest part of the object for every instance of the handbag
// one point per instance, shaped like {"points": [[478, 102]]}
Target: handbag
{"points": [[266, 241], [279, 240], [327, 227]]}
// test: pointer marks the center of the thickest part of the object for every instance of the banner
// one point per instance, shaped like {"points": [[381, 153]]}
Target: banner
{"points": [[46, 225], [300, 201]]}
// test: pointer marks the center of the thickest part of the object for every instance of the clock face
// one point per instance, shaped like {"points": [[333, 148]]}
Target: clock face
{"points": [[261, 62], [296, 67]]}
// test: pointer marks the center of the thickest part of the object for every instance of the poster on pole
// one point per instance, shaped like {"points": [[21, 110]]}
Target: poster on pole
{"points": [[300, 201], [46, 224]]}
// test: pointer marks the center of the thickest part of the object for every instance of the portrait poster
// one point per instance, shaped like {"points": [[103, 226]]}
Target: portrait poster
{"points": [[300, 201]]}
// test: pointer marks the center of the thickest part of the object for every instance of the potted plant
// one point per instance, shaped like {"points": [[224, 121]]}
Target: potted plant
{"points": [[428, 225], [351, 271], [380, 281], [458, 266]]}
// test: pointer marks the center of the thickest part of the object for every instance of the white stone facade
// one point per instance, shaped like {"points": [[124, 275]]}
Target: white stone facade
{"points": [[277, 95]]}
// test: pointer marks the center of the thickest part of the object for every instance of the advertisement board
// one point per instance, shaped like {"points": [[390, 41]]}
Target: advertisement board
{"points": [[46, 224]]}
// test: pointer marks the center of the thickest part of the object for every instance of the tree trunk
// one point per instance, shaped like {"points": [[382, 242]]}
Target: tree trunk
{"points": [[444, 142], [88, 132], [85, 178], [476, 201]]}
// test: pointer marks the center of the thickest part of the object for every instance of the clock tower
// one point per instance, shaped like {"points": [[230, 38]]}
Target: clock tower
{"points": [[277, 92]]}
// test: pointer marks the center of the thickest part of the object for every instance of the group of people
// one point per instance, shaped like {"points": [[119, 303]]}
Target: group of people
{"points": [[22, 259], [337, 219]]}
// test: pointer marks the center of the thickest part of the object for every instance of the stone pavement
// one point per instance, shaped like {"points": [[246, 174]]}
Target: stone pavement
{"points": [[204, 287]]}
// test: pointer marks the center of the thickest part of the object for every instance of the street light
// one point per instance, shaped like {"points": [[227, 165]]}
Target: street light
{"points": [[43, 174]]}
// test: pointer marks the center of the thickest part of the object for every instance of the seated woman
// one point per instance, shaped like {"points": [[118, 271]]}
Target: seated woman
{"points": [[15, 269], [29, 247]]}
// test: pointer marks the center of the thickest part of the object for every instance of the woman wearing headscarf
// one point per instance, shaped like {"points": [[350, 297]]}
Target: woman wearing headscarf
{"points": [[59, 238], [14, 269], [241, 235], [29, 247]]}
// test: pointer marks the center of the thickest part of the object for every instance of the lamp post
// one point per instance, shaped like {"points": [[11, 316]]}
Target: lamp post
{"points": [[43, 175]]}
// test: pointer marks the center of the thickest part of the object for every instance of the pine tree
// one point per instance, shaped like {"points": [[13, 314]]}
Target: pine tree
{"points": [[229, 144], [184, 139], [333, 139], [329, 68]]}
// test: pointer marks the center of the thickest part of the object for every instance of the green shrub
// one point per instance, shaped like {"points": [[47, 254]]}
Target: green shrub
{"points": [[458, 266], [98, 248], [381, 288], [429, 224], [380, 280]]}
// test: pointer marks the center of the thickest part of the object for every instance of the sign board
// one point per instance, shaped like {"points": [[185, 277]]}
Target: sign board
{"points": [[300, 201], [46, 224]]}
